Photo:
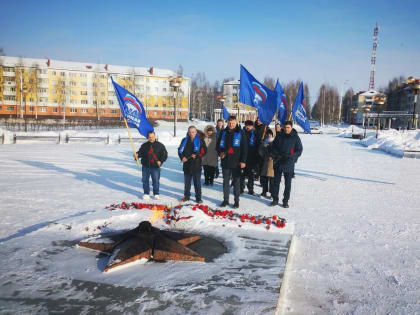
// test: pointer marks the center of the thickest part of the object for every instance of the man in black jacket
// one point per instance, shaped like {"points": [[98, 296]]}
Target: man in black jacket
{"points": [[191, 151], [232, 147], [286, 149], [152, 154], [251, 160]]}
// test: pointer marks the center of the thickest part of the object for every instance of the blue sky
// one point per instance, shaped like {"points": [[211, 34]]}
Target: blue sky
{"points": [[313, 41]]}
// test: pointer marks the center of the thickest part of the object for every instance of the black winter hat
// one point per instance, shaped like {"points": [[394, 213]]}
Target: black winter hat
{"points": [[249, 123]]}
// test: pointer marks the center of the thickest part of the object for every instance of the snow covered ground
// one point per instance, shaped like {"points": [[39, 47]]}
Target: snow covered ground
{"points": [[391, 141], [355, 213]]}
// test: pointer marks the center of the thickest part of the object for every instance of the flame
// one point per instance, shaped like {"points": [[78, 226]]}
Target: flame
{"points": [[156, 215]]}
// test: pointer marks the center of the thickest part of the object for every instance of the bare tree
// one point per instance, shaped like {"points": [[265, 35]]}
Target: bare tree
{"points": [[34, 86], [270, 82], [327, 105]]}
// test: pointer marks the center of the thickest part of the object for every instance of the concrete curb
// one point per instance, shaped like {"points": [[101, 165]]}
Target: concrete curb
{"points": [[281, 303]]}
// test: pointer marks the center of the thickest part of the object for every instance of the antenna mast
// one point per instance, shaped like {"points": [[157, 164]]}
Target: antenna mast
{"points": [[373, 59]]}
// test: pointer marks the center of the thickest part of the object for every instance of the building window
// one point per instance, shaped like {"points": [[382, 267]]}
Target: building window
{"points": [[111, 102], [43, 109], [72, 83], [73, 92], [54, 101], [62, 74], [72, 74], [72, 101], [31, 108], [10, 108], [9, 98], [84, 110], [102, 111], [83, 83], [55, 110], [73, 110], [83, 101], [83, 75], [113, 111], [102, 102], [95, 102], [83, 92], [53, 73]]}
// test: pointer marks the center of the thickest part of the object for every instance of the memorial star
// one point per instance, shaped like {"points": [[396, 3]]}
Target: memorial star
{"points": [[145, 241]]}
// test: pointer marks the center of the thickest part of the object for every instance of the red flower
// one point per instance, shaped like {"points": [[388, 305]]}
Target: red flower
{"points": [[267, 227], [267, 221], [274, 217], [194, 208], [168, 222]]}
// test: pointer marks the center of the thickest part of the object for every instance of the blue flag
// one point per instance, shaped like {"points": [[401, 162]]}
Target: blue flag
{"points": [[299, 112], [256, 94], [281, 104], [132, 110], [225, 112]]}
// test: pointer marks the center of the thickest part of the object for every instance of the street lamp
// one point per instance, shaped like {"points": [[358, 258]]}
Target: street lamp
{"points": [[24, 91], [341, 101], [379, 100], [354, 112], [414, 84], [222, 101], [175, 83], [366, 110]]}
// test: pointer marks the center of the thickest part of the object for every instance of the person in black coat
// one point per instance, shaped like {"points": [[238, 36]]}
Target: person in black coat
{"points": [[191, 151], [252, 158], [285, 151], [232, 147], [152, 154], [219, 127]]}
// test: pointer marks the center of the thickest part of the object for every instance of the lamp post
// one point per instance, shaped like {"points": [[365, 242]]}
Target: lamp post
{"points": [[366, 110], [24, 91], [175, 83], [341, 101], [222, 101], [354, 112], [414, 84], [379, 100]]}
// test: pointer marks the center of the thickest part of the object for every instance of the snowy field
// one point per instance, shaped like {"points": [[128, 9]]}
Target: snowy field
{"points": [[354, 211]]}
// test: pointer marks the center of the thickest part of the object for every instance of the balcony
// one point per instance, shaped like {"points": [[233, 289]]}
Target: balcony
{"points": [[6, 92], [9, 74]]}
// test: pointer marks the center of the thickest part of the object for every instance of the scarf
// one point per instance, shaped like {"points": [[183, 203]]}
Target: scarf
{"points": [[196, 144]]}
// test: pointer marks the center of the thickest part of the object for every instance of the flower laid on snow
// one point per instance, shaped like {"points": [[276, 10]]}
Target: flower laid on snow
{"points": [[169, 214]]}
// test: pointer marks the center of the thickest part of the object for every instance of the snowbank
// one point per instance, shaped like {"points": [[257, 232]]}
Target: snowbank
{"points": [[390, 141]]}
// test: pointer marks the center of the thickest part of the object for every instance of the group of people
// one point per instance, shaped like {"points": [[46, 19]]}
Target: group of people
{"points": [[245, 154]]}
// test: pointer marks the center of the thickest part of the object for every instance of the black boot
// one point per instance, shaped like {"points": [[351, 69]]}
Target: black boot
{"points": [[236, 205], [224, 203]]}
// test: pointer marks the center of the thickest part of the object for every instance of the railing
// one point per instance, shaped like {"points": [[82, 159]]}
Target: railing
{"points": [[87, 139], [414, 154], [69, 139]]}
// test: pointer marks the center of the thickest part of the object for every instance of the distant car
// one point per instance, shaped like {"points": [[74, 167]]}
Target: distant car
{"points": [[315, 130]]}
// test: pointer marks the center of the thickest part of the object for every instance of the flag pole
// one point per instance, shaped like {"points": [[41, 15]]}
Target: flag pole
{"points": [[131, 142]]}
